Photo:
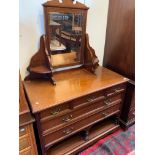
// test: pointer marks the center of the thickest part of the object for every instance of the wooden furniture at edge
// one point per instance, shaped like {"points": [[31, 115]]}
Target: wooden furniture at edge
{"points": [[81, 109], [27, 144], [119, 53]]}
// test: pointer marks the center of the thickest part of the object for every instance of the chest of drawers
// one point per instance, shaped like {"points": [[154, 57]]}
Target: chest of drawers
{"points": [[27, 143], [70, 109]]}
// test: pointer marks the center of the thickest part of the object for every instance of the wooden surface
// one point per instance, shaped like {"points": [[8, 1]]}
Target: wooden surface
{"points": [[74, 144], [120, 48], [70, 85], [23, 107], [127, 117], [65, 4], [24, 111], [120, 38], [64, 59], [27, 143]]}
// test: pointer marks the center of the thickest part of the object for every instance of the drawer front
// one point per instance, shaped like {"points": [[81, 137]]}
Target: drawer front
{"points": [[24, 143], [79, 113], [82, 101], [65, 132], [88, 99], [115, 90], [56, 110], [22, 131], [28, 152]]}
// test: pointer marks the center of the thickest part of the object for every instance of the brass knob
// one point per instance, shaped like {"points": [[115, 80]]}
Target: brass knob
{"points": [[22, 129], [55, 112], [68, 131], [67, 119], [107, 102], [104, 114], [89, 100]]}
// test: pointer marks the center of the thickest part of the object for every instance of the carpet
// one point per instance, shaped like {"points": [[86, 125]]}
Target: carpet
{"points": [[119, 143]]}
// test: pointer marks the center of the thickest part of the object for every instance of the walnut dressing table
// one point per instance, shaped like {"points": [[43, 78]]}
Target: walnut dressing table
{"points": [[75, 101], [67, 114]]}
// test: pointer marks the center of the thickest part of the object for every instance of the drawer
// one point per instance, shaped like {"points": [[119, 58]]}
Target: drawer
{"points": [[22, 131], [28, 152], [79, 113], [115, 90], [56, 110], [56, 136], [88, 99], [24, 143]]}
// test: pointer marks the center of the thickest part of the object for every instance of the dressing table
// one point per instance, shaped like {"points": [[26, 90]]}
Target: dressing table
{"points": [[75, 101]]}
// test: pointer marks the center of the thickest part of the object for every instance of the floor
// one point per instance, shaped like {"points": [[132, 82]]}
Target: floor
{"points": [[118, 143]]}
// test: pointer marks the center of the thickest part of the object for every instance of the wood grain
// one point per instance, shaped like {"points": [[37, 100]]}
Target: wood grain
{"points": [[119, 52], [70, 85]]}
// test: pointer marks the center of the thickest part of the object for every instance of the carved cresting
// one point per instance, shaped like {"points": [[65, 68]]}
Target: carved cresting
{"points": [[91, 60]]}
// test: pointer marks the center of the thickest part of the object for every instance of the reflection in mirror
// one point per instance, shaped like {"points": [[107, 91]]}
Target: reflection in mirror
{"points": [[65, 38]]}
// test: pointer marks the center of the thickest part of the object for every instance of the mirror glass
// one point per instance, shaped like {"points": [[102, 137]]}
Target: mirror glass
{"points": [[65, 38]]}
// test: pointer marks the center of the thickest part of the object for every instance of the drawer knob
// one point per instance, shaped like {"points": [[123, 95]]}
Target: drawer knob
{"points": [[55, 112], [67, 119], [68, 131]]}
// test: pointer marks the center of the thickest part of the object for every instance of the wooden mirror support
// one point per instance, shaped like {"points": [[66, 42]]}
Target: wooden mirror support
{"points": [[41, 65]]}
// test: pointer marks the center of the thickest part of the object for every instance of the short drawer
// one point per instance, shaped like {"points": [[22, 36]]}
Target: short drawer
{"points": [[23, 143], [79, 113], [22, 131], [88, 99], [53, 137], [115, 90], [56, 110]]}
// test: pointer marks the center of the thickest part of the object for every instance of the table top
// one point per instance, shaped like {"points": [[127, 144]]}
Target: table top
{"points": [[70, 84]]}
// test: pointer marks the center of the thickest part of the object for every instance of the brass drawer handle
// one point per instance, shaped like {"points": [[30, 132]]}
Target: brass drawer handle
{"points": [[104, 114], [115, 91], [67, 119], [90, 100], [55, 112], [22, 130], [118, 90], [107, 102], [68, 131]]}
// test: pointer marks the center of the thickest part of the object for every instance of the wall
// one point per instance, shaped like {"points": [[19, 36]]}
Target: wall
{"points": [[31, 27]]}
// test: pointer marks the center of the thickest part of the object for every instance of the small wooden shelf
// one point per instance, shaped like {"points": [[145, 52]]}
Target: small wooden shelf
{"points": [[76, 143], [40, 69]]}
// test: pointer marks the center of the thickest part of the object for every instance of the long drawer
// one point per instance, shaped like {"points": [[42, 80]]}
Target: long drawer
{"points": [[56, 136], [78, 113], [82, 101], [24, 143]]}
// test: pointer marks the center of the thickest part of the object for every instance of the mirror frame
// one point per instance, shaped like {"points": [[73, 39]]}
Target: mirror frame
{"points": [[66, 7], [40, 64]]}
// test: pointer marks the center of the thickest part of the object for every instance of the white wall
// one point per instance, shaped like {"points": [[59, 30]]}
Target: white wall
{"points": [[31, 24]]}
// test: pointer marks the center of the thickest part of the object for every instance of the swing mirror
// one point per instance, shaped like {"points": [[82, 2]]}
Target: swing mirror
{"points": [[65, 38]]}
